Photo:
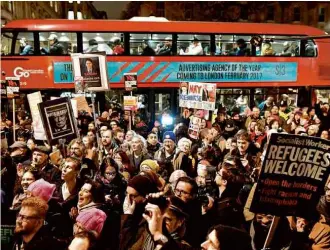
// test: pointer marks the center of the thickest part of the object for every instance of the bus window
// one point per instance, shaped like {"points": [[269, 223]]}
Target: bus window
{"points": [[194, 44], [310, 49], [6, 43], [151, 44], [280, 46], [24, 44], [58, 43], [110, 43], [232, 45]]}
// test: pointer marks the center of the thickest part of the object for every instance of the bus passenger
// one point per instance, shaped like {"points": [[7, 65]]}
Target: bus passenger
{"points": [[26, 48], [95, 47], [267, 49], [194, 49], [117, 46], [147, 49], [55, 47], [166, 48], [242, 49]]}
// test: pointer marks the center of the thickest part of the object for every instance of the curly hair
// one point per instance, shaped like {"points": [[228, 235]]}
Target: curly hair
{"points": [[38, 204]]}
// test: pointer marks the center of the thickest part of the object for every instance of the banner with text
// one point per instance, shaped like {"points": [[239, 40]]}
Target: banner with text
{"points": [[293, 175], [191, 71], [197, 95]]}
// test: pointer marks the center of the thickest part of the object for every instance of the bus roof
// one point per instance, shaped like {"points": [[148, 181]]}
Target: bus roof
{"points": [[162, 27]]}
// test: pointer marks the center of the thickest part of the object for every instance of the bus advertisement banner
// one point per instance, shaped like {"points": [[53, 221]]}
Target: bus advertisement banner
{"points": [[197, 95], [191, 71], [12, 85], [293, 175]]}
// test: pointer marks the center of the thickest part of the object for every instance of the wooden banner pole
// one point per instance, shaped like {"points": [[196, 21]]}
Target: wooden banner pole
{"points": [[271, 232]]}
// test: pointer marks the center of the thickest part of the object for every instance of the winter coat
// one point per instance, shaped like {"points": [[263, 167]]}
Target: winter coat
{"points": [[41, 240]]}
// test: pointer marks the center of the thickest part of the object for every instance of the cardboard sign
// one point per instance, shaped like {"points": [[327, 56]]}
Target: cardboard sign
{"points": [[38, 129], [92, 68], [82, 104], [293, 175], [197, 95], [58, 120], [130, 80], [12, 86], [194, 127], [7, 235], [130, 102]]}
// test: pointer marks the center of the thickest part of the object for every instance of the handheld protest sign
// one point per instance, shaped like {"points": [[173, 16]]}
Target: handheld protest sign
{"points": [[293, 175], [91, 69], [130, 80], [58, 120], [197, 95]]}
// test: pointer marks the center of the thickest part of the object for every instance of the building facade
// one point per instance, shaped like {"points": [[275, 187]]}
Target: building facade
{"points": [[316, 14], [12, 10]]}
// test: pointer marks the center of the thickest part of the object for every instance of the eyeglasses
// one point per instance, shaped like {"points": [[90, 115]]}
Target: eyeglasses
{"points": [[25, 218], [179, 192], [110, 173]]}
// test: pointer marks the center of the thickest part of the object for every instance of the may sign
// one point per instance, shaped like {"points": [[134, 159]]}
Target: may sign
{"points": [[293, 175]]}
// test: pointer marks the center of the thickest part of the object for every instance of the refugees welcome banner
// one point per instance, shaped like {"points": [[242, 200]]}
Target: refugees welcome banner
{"points": [[293, 175]]}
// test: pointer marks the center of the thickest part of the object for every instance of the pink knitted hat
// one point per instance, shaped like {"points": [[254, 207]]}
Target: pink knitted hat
{"points": [[92, 219], [42, 189]]}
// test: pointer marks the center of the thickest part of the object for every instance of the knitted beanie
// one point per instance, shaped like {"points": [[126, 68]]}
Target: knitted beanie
{"points": [[92, 219], [42, 189], [169, 135], [143, 184], [151, 164]]}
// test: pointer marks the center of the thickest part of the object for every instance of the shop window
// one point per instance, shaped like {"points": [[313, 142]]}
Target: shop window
{"points": [[189, 10], [321, 14], [323, 95], [270, 13], [58, 43], [110, 43], [190, 44], [296, 14], [151, 44], [233, 99], [24, 44], [160, 9], [228, 45], [6, 43]]}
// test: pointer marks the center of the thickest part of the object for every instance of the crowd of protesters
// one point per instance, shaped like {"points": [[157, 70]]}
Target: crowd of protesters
{"points": [[154, 187]]}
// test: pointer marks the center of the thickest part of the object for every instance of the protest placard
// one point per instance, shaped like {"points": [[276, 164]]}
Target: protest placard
{"points": [[82, 104], [38, 129], [130, 80], [12, 86], [194, 127], [293, 175], [130, 103], [197, 95], [92, 68], [58, 120]]}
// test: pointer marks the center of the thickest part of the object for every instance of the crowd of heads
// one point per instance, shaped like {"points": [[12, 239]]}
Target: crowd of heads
{"points": [[146, 186]]}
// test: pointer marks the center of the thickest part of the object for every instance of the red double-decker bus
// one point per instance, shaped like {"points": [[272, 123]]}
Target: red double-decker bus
{"points": [[256, 60]]}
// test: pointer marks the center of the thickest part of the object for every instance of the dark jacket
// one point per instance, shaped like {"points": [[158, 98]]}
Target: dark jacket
{"points": [[42, 240], [325, 119], [135, 163], [56, 49], [165, 163], [152, 148]]}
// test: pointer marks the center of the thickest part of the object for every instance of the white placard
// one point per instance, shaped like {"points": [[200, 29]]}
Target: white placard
{"points": [[38, 128]]}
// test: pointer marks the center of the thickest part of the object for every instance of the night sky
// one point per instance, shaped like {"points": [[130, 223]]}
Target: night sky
{"points": [[113, 8]]}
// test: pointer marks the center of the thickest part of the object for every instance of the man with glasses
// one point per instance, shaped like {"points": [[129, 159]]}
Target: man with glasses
{"points": [[186, 189], [30, 230]]}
